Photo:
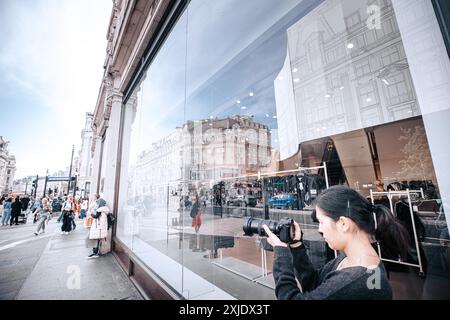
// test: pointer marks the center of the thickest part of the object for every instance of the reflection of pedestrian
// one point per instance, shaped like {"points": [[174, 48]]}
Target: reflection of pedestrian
{"points": [[196, 214], [379, 185]]}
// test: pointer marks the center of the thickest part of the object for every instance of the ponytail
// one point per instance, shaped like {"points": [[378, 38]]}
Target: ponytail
{"points": [[390, 233]]}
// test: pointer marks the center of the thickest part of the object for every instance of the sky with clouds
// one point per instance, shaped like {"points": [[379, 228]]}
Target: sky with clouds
{"points": [[51, 67]]}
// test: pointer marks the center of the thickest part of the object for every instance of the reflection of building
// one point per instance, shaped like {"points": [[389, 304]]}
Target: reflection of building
{"points": [[344, 75], [7, 167], [349, 91], [85, 157], [208, 149]]}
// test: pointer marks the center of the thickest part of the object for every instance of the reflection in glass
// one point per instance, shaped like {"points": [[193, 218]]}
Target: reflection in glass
{"points": [[228, 125]]}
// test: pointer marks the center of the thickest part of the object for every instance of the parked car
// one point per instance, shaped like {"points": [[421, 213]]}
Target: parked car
{"points": [[242, 201], [284, 201]]}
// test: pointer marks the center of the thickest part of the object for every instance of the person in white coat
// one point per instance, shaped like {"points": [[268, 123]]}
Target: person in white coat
{"points": [[99, 229]]}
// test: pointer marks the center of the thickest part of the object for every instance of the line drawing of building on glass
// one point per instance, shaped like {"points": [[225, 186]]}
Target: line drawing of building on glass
{"points": [[344, 75]]}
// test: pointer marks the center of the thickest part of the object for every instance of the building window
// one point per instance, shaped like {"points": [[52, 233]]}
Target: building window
{"points": [[367, 95], [353, 20], [398, 90], [362, 69], [390, 55]]}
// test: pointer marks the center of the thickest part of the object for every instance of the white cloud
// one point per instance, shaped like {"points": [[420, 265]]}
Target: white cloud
{"points": [[55, 52]]}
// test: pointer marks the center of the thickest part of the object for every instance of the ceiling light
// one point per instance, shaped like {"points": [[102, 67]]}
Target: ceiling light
{"points": [[369, 100], [251, 94], [294, 70], [350, 45], [385, 81], [243, 107], [342, 88], [296, 80], [238, 101], [280, 78], [274, 117], [267, 115], [328, 96]]}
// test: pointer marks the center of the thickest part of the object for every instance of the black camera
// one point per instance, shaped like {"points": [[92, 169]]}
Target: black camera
{"points": [[284, 229]]}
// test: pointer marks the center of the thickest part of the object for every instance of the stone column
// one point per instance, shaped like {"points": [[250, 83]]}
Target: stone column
{"points": [[114, 106], [97, 146]]}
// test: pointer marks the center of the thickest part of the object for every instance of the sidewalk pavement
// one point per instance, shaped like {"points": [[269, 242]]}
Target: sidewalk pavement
{"points": [[63, 271]]}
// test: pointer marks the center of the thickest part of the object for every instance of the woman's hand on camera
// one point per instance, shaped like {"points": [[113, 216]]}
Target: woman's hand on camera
{"points": [[273, 239], [297, 234]]}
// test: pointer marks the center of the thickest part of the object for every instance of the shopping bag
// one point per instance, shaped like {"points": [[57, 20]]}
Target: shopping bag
{"points": [[88, 222]]}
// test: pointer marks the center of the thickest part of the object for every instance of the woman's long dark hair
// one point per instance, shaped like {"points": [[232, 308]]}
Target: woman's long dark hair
{"points": [[342, 201]]}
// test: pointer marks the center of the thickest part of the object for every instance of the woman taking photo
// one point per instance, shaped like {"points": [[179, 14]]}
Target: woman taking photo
{"points": [[346, 221]]}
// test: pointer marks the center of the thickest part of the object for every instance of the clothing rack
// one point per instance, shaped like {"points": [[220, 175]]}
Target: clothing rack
{"points": [[390, 195]]}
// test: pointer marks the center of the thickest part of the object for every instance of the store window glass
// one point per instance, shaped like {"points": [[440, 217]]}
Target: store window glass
{"points": [[252, 108]]}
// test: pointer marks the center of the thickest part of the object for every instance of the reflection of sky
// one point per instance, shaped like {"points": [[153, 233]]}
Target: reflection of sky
{"points": [[234, 48], [249, 61]]}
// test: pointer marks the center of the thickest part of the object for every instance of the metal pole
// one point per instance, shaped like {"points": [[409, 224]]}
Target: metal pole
{"points": [[26, 186], [45, 186], [416, 240], [75, 185], [70, 170], [35, 189], [326, 173]]}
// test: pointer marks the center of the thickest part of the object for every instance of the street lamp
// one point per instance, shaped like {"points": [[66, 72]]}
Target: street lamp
{"points": [[45, 184], [70, 170], [75, 183]]}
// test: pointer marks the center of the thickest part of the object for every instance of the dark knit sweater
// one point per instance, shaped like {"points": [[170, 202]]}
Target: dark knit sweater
{"points": [[326, 283]]}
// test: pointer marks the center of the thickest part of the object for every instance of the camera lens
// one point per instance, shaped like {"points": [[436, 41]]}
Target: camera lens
{"points": [[255, 226], [283, 228]]}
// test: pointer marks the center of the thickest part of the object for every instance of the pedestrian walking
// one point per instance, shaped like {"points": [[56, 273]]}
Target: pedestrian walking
{"points": [[44, 215], [36, 205], [2, 200], [16, 209], [67, 215], [62, 213], [84, 207], [76, 212], [6, 211]]}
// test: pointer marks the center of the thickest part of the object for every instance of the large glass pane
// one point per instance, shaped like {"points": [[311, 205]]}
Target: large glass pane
{"points": [[252, 108], [286, 98], [150, 167]]}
